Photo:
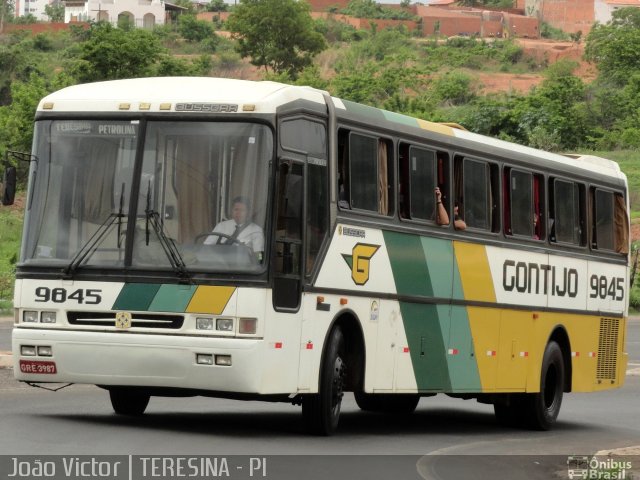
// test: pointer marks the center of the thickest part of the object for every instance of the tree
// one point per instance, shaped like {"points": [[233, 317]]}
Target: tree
{"points": [[111, 53], [217, 6], [55, 11], [615, 46], [16, 119], [279, 35], [6, 11], [194, 30], [188, 4]]}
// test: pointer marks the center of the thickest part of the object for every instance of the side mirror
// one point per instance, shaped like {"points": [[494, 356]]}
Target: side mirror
{"points": [[9, 184]]}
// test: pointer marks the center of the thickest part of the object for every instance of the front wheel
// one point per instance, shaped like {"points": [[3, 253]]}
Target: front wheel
{"points": [[321, 411], [128, 401]]}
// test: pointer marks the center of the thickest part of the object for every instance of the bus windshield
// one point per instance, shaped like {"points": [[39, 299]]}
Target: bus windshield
{"points": [[201, 195]]}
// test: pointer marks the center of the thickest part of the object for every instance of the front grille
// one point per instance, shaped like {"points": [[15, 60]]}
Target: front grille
{"points": [[142, 320], [608, 349]]}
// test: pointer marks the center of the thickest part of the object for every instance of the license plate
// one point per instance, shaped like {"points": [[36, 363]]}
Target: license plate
{"points": [[38, 367]]}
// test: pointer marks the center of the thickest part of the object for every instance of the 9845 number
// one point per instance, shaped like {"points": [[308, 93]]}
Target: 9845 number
{"points": [[60, 295], [603, 287]]}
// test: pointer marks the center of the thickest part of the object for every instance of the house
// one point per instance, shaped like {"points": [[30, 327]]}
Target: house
{"points": [[141, 13], [574, 15]]}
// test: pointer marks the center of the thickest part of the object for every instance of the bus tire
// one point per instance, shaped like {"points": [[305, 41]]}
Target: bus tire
{"points": [[321, 411], [128, 401], [387, 403], [540, 410]]}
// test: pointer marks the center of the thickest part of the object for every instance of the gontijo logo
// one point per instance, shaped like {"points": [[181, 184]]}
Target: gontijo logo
{"points": [[359, 261]]}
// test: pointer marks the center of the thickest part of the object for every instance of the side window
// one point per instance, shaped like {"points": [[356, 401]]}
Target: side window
{"points": [[305, 136], [566, 212], [524, 203], [476, 194], [521, 196], [603, 220], [422, 171], [365, 172], [422, 183]]}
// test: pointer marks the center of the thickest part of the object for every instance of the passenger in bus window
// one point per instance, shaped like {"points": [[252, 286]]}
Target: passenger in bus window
{"points": [[239, 229], [442, 217], [458, 222]]}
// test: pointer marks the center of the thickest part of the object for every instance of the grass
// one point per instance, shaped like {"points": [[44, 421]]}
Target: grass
{"points": [[10, 235]]}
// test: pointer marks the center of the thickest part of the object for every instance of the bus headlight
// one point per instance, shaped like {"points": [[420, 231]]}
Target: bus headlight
{"points": [[204, 323], [204, 359], [224, 324], [48, 317], [45, 351], [223, 360], [30, 316], [27, 350]]}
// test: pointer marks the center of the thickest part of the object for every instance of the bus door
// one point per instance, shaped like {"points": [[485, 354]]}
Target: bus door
{"points": [[302, 225], [288, 252]]}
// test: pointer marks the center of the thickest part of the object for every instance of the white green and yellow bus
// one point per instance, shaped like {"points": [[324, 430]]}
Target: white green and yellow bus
{"points": [[360, 282]]}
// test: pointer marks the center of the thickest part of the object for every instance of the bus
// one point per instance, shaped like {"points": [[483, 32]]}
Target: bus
{"points": [[387, 256]]}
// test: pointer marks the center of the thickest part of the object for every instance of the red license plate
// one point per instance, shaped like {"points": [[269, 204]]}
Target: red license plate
{"points": [[38, 367]]}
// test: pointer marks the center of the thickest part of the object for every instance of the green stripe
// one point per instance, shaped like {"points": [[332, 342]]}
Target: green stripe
{"points": [[402, 119], [426, 327], [172, 298], [136, 296], [364, 110], [408, 264], [439, 256], [463, 367]]}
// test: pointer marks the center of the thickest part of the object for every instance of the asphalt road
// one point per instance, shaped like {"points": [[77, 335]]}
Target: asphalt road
{"points": [[444, 438]]}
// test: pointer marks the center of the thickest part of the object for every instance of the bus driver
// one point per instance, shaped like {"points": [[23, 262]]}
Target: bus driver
{"points": [[239, 229]]}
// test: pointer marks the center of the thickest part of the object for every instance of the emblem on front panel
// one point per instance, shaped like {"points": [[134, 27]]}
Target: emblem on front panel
{"points": [[123, 320], [359, 261]]}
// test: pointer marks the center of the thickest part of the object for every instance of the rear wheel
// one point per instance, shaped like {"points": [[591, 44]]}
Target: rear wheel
{"points": [[321, 411], [540, 410], [128, 401], [387, 403]]}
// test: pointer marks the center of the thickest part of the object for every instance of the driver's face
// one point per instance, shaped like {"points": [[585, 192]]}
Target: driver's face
{"points": [[239, 213]]}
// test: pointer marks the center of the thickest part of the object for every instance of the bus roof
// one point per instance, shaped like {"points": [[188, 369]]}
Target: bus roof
{"points": [[180, 94], [152, 94]]}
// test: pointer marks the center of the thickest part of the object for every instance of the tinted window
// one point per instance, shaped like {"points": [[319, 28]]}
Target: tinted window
{"points": [[304, 136], [604, 220], [476, 182], [363, 166], [317, 185], [566, 218], [521, 202], [422, 183]]}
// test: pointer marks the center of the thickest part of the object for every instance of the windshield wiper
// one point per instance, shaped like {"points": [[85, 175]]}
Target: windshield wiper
{"points": [[167, 244], [91, 244]]}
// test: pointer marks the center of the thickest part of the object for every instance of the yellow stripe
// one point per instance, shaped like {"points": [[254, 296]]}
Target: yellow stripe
{"points": [[485, 331], [436, 127], [475, 274], [208, 299]]}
